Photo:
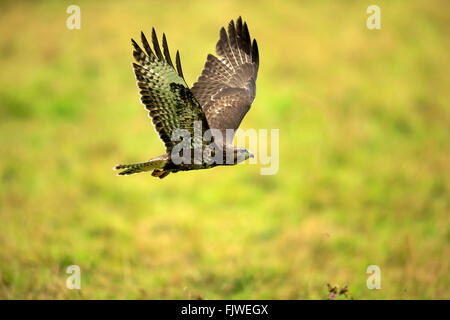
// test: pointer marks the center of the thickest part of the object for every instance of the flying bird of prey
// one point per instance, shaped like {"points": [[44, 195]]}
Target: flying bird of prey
{"points": [[218, 101]]}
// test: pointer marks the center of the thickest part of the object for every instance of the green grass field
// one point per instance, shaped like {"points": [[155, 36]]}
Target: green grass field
{"points": [[364, 179]]}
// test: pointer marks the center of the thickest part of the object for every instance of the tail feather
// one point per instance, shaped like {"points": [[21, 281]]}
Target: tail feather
{"points": [[139, 167]]}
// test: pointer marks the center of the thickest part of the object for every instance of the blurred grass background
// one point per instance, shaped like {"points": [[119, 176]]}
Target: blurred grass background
{"points": [[364, 155]]}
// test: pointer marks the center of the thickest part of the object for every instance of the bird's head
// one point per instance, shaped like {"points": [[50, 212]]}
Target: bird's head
{"points": [[241, 154]]}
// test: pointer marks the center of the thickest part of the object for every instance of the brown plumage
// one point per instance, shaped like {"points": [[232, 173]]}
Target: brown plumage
{"points": [[219, 99], [227, 85]]}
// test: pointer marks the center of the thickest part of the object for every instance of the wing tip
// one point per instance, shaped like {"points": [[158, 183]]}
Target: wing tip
{"points": [[156, 46], [255, 52], [166, 50], [223, 32], [178, 63]]}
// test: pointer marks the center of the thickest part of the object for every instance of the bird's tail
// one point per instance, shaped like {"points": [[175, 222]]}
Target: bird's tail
{"points": [[128, 169]]}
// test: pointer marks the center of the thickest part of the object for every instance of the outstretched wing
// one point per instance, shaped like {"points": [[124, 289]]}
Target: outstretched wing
{"points": [[226, 87], [164, 92]]}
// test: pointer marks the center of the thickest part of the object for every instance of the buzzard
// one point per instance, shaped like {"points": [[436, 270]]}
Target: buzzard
{"points": [[214, 106]]}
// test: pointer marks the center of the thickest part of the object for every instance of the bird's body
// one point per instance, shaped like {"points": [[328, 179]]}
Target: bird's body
{"points": [[213, 108]]}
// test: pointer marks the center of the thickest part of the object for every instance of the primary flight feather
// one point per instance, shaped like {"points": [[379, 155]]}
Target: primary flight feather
{"points": [[218, 101]]}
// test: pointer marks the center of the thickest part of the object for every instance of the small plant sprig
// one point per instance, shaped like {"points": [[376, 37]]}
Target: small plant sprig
{"points": [[335, 292]]}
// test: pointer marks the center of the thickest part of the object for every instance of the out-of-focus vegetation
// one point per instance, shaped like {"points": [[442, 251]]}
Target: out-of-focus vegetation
{"points": [[364, 180]]}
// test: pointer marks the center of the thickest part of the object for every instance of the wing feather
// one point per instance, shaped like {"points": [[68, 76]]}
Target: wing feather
{"points": [[166, 51], [234, 44], [164, 93], [146, 46], [226, 87], [178, 62], [156, 45]]}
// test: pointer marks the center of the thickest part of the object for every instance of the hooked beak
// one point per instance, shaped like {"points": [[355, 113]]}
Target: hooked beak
{"points": [[251, 155]]}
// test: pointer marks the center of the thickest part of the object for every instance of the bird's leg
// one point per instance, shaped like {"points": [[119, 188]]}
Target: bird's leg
{"points": [[160, 173]]}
